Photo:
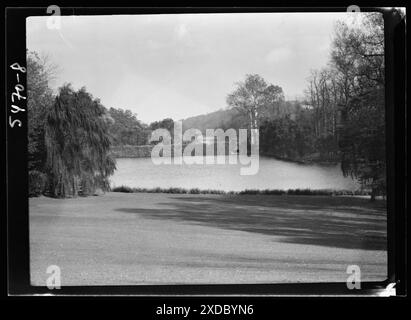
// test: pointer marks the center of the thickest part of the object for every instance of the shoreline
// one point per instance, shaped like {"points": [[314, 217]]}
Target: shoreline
{"points": [[302, 192], [144, 151], [306, 160]]}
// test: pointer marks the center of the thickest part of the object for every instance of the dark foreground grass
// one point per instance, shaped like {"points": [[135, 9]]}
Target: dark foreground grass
{"points": [[159, 238], [305, 192]]}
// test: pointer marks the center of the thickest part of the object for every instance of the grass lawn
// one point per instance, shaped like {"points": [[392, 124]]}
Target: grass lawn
{"points": [[155, 238]]}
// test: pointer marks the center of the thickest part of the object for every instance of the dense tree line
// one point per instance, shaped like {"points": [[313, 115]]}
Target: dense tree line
{"points": [[286, 138], [342, 118], [348, 100], [126, 129]]}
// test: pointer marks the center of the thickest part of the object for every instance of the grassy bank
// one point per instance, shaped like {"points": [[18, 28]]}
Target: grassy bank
{"points": [[158, 238], [318, 192]]}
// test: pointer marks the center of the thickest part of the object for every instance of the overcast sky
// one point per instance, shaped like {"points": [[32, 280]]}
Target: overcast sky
{"points": [[177, 66]]}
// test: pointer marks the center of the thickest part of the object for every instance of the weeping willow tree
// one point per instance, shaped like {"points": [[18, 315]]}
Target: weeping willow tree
{"points": [[77, 144]]}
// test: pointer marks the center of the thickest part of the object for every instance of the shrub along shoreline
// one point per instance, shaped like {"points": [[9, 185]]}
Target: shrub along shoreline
{"points": [[314, 192]]}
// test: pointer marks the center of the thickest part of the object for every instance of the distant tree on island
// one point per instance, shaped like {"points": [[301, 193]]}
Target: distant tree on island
{"points": [[253, 96]]}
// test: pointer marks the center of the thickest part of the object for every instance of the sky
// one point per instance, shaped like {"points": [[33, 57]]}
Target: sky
{"points": [[182, 65]]}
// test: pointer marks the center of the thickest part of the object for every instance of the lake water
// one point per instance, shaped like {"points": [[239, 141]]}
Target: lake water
{"points": [[272, 174]]}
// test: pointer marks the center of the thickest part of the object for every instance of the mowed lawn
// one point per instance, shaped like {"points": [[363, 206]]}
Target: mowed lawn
{"points": [[154, 238]]}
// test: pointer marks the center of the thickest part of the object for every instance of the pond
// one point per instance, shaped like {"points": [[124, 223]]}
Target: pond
{"points": [[272, 174]]}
